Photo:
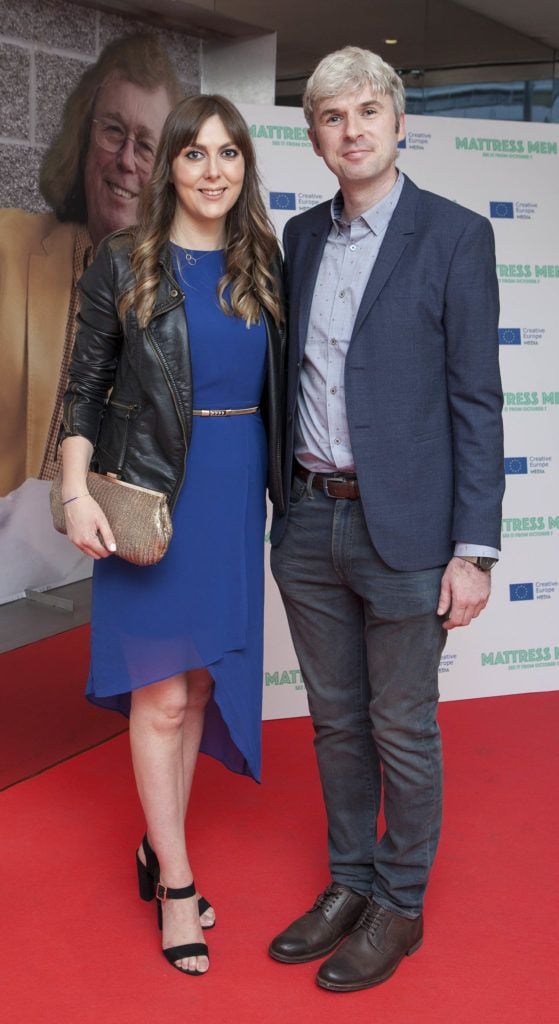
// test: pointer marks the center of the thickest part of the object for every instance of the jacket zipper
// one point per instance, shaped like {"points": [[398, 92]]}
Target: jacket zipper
{"points": [[130, 407]]}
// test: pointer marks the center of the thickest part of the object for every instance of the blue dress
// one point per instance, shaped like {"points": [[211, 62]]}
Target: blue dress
{"points": [[202, 605]]}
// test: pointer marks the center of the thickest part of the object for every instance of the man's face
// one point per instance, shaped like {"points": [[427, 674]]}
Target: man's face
{"points": [[113, 180], [355, 134]]}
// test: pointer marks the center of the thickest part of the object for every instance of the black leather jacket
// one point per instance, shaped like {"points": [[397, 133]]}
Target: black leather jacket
{"points": [[130, 387]]}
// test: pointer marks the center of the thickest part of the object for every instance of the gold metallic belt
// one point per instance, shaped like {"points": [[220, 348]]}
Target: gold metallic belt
{"points": [[225, 412]]}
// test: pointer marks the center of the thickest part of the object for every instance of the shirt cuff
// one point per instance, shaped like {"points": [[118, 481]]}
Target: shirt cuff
{"points": [[475, 549]]}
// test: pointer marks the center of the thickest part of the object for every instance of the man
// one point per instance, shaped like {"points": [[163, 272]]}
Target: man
{"points": [[395, 446], [91, 177]]}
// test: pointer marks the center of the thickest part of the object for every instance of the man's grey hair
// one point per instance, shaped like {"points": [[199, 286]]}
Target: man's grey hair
{"points": [[350, 70]]}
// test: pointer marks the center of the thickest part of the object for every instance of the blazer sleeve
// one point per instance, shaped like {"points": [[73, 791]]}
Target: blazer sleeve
{"points": [[475, 397], [96, 351]]}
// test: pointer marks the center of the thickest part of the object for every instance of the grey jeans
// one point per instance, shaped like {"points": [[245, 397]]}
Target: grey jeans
{"points": [[369, 642]]}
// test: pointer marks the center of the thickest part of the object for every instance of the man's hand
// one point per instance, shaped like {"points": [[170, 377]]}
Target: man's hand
{"points": [[465, 591]]}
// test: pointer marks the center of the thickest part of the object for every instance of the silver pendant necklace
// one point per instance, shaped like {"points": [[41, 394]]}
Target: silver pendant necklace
{"points": [[191, 259], [189, 256]]}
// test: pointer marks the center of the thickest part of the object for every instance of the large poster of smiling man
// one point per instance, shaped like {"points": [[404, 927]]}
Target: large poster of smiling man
{"points": [[90, 177]]}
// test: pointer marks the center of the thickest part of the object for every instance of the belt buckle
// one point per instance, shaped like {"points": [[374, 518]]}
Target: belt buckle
{"points": [[326, 485]]}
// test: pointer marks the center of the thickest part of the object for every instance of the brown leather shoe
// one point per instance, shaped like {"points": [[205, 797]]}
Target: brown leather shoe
{"points": [[333, 915], [372, 952]]}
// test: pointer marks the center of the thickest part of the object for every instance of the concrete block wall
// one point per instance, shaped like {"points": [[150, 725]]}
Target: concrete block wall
{"points": [[45, 46]]}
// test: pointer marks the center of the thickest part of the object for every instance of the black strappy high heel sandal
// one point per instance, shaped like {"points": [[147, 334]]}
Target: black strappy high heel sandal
{"points": [[174, 953], [148, 877]]}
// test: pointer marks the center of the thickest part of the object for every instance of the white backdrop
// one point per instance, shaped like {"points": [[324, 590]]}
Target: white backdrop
{"points": [[506, 170]]}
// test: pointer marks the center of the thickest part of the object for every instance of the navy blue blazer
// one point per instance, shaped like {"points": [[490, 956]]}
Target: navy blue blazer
{"points": [[423, 389]]}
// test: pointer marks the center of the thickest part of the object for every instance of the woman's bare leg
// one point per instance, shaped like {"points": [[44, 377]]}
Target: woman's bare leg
{"points": [[198, 693], [166, 722]]}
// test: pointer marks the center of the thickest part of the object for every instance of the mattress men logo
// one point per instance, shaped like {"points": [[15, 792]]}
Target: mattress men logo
{"points": [[527, 273], [287, 677], [281, 134], [531, 401], [508, 149], [522, 658], [514, 527]]}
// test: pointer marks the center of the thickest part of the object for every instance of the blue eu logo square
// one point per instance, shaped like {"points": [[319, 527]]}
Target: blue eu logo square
{"points": [[403, 143], [510, 336], [282, 201], [521, 591], [516, 466], [502, 211]]}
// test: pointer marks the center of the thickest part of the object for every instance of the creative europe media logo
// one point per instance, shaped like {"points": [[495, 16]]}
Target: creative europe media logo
{"points": [[521, 335], [528, 465], [501, 210], [521, 591], [290, 202], [415, 140], [516, 466], [539, 590], [282, 201]]}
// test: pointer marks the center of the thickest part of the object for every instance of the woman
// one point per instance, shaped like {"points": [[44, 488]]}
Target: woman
{"points": [[180, 319]]}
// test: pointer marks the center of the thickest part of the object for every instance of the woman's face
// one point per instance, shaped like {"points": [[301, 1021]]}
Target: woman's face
{"points": [[208, 177]]}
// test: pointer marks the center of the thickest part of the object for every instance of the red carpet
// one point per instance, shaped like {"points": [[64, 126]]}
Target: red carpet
{"points": [[78, 947]]}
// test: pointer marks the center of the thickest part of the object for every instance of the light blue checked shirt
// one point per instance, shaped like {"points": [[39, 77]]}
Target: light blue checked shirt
{"points": [[322, 441]]}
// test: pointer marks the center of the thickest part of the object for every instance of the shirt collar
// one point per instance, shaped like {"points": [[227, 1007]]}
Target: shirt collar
{"points": [[377, 216]]}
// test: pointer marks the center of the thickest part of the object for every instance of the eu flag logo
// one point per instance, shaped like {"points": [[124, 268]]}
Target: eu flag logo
{"points": [[510, 336], [403, 143], [521, 591], [502, 211], [517, 466], [282, 201]]}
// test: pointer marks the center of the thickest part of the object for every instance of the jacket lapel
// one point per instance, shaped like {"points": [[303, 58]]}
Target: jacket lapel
{"points": [[397, 237], [304, 277], [49, 286]]}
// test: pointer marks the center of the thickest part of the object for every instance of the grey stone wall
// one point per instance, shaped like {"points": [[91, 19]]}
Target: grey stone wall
{"points": [[45, 45]]}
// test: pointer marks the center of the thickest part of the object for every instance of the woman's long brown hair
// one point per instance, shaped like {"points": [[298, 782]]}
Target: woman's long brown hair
{"points": [[251, 249]]}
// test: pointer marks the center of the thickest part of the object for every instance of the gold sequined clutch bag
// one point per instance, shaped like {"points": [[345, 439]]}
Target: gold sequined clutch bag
{"points": [[139, 518]]}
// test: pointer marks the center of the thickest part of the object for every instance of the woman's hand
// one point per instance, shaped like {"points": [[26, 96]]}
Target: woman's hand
{"points": [[87, 527], [86, 523]]}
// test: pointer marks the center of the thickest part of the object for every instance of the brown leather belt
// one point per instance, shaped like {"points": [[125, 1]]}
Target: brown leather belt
{"points": [[225, 412], [331, 486]]}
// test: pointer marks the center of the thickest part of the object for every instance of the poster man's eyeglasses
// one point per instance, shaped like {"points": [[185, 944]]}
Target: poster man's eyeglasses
{"points": [[112, 137]]}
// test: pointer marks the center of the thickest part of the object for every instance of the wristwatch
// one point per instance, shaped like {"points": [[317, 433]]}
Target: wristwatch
{"points": [[482, 562]]}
